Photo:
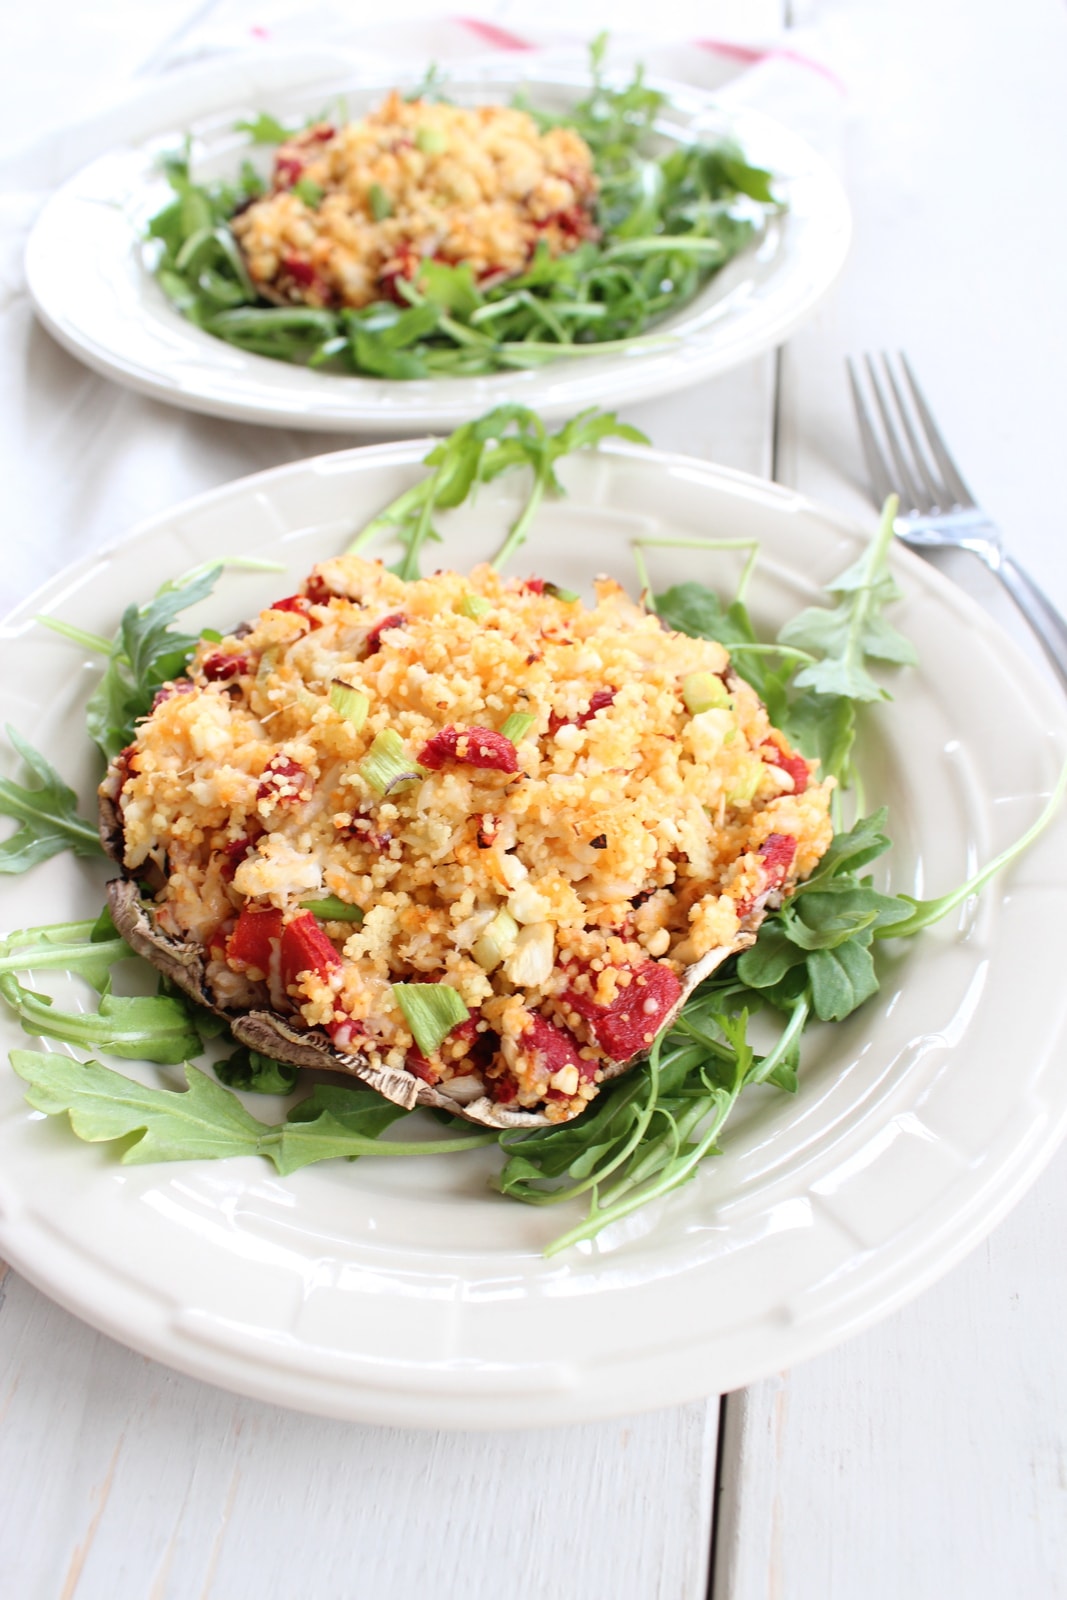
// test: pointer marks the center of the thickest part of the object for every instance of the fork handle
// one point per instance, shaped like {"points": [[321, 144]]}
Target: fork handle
{"points": [[1046, 622]]}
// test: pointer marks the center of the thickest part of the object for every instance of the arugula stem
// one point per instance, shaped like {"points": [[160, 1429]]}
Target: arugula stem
{"points": [[520, 527], [91, 641], [785, 1042], [927, 912]]}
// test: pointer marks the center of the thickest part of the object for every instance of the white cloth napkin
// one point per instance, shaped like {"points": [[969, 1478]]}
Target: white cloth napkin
{"points": [[83, 459]]}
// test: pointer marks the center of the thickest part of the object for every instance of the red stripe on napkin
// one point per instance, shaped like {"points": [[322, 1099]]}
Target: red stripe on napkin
{"points": [[489, 33], [751, 54]]}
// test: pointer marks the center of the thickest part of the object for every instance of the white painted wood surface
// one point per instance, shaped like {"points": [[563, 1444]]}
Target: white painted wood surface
{"points": [[926, 1458]]}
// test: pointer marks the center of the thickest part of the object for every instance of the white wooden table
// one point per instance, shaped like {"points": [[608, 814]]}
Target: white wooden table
{"points": [[927, 1458]]}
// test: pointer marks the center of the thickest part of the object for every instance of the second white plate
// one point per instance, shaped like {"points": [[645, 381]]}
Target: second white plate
{"points": [[86, 268]]}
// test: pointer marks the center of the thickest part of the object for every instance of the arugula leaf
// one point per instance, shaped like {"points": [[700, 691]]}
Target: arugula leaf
{"points": [[509, 436], [47, 814], [256, 1074], [206, 1121], [265, 129], [89, 949], [853, 630], [134, 1027], [145, 654]]}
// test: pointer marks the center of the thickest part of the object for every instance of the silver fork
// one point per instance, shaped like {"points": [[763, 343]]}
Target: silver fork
{"points": [[938, 511]]}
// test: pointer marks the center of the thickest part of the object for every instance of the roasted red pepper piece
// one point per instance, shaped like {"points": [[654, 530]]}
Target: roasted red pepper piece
{"points": [[169, 690], [287, 169], [405, 264], [464, 1032], [283, 781], [599, 700], [552, 1048], [251, 941], [298, 603], [318, 590], [472, 747], [218, 667], [796, 766], [233, 853], [777, 850], [621, 1028], [305, 948], [395, 619]]}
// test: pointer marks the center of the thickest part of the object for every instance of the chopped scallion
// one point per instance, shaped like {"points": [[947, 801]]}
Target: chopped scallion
{"points": [[704, 691], [517, 726], [568, 596], [331, 909], [267, 663], [387, 763], [431, 1011], [497, 942], [474, 606], [431, 141], [380, 204], [309, 191], [349, 702]]}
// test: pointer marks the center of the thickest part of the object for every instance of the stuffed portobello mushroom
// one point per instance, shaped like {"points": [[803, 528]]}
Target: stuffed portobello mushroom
{"points": [[467, 839]]}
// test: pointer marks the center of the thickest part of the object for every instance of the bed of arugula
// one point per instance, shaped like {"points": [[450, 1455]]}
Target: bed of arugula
{"points": [[668, 222], [648, 1131]]}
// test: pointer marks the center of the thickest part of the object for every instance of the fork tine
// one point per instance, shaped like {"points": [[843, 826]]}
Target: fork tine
{"points": [[936, 491], [910, 488], [955, 484], [877, 469]]}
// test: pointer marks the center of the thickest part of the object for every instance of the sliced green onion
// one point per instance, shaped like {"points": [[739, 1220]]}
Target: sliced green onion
{"points": [[743, 791], [704, 691], [518, 726], [387, 763], [212, 635], [380, 204], [349, 702], [568, 596], [431, 1011], [497, 941], [309, 191], [474, 606], [331, 909], [431, 141], [267, 663]]}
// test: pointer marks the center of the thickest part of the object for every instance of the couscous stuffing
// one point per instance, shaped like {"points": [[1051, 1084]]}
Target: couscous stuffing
{"points": [[556, 812], [352, 209]]}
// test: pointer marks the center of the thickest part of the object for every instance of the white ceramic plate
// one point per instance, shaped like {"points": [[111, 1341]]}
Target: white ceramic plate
{"points": [[86, 270], [405, 1292]]}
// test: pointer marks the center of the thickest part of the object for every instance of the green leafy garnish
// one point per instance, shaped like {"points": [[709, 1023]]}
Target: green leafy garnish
{"points": [[431, 1011], [478, 452], [254, 1073], [206, 1121], [146, 653], [47, 815], [664, 223], [265, 129], [845, 635]]}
